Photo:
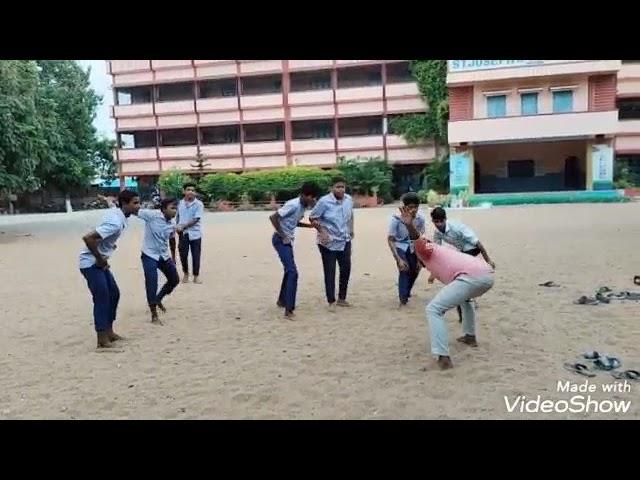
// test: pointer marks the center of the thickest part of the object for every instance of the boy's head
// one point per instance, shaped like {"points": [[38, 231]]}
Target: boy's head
{"points": [[439, 218], [309, 194], [411, 201], [189, 190], [169, 206], [129, 202], [338, 187]]}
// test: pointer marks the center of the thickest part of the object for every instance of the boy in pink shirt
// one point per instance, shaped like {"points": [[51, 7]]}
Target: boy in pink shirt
{"points": [[465, 277]]}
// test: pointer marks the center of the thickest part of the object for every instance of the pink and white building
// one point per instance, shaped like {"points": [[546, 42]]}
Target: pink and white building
{"points": [[541, 125], [240, 115]]}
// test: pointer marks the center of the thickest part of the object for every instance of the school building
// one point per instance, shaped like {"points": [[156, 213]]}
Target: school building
{"points": [[542, 125], [238, 115]]}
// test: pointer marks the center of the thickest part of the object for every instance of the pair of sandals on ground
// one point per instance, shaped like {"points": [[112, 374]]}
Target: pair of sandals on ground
{"points": [[605, 295], [602, 362]]}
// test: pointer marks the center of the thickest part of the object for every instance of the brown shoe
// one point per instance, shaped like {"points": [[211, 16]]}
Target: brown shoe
{"points": [[468, 340], [444, 363]]}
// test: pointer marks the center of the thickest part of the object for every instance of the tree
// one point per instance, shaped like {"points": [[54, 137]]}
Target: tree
{"points": [[367, 175], [431, 76], [67, 106], [436, 175], [46, 134], [21, 145]]}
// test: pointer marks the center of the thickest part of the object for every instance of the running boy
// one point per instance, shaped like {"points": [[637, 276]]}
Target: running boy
{"points": [[458, 235], [333, 218], [159, 228], [285, 221], [465, 277], [94, 266], [190, 213], [404, 230]]}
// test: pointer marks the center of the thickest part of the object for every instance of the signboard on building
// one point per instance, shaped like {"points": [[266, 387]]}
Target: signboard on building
{"points": [[459, 171], [468, 65], [602, 166], [458, 66]]}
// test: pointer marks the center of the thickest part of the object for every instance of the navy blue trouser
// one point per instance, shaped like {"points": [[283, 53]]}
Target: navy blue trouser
{"points": [[289, 285], [408, 278], [106, 295], [151, 267], [329, 259], [184, 245]]}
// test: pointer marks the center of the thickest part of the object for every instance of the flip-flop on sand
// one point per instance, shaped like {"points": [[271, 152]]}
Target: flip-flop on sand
{"points": [[584, 300], [592, 355], [636, 279], [550, 283], [627, 375], [607, 363], [579, 368]]}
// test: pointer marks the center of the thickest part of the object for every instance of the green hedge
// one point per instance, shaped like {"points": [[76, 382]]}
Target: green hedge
{"points": [[363, 176], [260, 185], [171, 183]]}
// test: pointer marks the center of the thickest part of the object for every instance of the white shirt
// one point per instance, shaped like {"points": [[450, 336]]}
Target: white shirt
{"points": [[458, 235], [113, 224], [188, 211], [157, 231]]}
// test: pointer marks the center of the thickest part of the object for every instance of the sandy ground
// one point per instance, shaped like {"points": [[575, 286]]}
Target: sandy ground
{"points": [[226, 352]]}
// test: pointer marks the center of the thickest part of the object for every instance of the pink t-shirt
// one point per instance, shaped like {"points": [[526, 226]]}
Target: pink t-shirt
{"points": [[446, 263]]}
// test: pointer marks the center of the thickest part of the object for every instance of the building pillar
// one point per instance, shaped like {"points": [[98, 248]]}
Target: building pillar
{"points": [[588, 171], [286, 89], [599, 159]]}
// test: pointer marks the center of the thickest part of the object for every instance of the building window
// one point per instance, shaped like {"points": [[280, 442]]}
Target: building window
{"points": [[399, 73], [262, 85], [563, 101], [317, 80], [521, 168], [353, 77], [142, 139], [305, 130], [178, 137], [629, 109], [529, 103], [217, 88], [263, 132], [133, 95], [220, 135], [175, 92], [359, 126], [497, 106]]}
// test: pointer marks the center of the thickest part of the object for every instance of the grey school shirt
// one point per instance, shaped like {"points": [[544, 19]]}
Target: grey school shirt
{"points": [[290, 214], [157, 231], [113, 224], [188, 211]]}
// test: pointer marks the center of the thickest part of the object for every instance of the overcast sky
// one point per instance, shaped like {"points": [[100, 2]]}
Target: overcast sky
{"points": [[101, 83]]}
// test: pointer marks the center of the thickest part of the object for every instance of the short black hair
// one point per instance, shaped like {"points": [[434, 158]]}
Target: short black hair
{"points": [[125, 196], [438, 213], [410, 198], [189, 184], [165, 202], [338, 179], [309, 189]]}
